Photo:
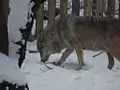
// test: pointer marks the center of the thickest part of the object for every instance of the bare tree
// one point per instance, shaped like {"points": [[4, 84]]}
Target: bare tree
{"points": [[39, 19]]}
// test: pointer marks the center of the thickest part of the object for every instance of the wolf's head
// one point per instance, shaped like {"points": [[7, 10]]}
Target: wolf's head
{"points": [[48, 41]]}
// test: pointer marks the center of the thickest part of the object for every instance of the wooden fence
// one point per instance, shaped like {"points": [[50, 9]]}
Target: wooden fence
{"points": [[107, 8]]}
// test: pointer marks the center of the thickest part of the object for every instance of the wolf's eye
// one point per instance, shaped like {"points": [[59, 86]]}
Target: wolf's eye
{"points": [[96, 21]]}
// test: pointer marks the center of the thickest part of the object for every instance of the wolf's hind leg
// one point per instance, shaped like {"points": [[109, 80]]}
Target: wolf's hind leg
{"points": [[110, 61], [79, 50]]}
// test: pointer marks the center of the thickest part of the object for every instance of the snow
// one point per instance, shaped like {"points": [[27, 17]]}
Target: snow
{"points": [[17, 18], [95, 76], [9, 71]]}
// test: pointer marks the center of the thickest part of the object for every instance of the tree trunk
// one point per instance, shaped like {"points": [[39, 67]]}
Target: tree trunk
{"points": [[4, 12], [97, 8], [119, 9]]}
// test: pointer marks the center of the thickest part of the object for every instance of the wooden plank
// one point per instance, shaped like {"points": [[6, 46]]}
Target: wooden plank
{"points": [[87, 7], [119, 9], [39, 19], [98, 6], [63, 8], [111, 8], [51, 10], [75, 7]]}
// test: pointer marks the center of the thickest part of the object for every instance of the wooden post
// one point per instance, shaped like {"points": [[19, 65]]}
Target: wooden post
{"points": [[39, 19], [87, 7], [63, 8], [111, 8], [75, 7], [97, 9], [51, 10], [119, 9]]}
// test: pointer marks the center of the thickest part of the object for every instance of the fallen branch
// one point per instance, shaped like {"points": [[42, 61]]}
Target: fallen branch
{"points": [[33, 51], [98, 54], [48, 67]]}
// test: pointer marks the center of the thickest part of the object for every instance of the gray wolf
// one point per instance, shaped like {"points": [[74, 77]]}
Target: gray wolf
{"points": [[80, 33]]}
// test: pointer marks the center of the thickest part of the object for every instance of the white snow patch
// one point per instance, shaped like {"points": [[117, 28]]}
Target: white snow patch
{"points": [[9, 71], [97, 77], [17, 18]]}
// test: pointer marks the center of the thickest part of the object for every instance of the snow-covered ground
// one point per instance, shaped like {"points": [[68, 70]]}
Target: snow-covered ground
{"points": [[96, 76], [9, 71]]}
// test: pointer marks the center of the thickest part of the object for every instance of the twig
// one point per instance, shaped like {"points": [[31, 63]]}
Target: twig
{"points": [[98, 54], [48, 67], [33, 51]]}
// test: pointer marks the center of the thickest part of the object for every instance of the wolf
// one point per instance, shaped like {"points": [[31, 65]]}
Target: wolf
{"points": [[80, 33]]}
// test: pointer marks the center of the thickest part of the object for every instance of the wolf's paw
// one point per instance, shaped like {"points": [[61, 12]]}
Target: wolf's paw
{"points": [[43, 61], [83, 67]]}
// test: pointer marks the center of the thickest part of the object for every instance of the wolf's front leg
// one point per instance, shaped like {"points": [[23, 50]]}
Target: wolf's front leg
{"points": [[65, 55]]}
